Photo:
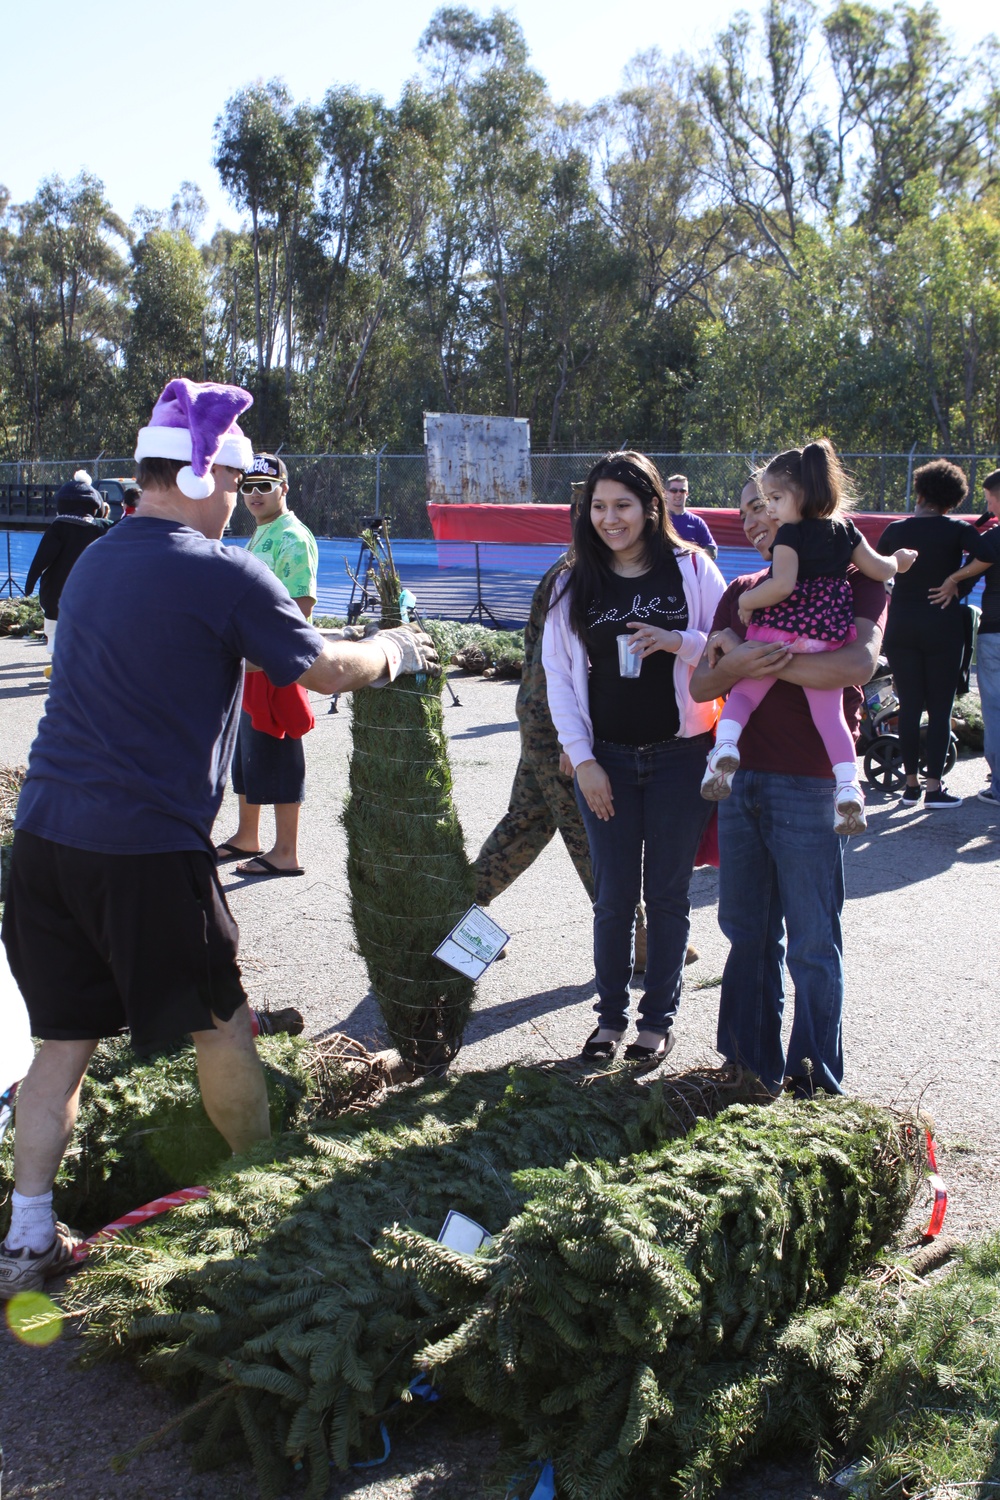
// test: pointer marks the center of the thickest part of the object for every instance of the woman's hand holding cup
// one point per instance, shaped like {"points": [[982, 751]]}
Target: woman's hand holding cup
{"points": [[651, 638]]}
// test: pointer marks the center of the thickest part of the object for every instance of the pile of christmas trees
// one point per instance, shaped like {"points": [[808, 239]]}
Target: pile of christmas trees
{"points": [[617, 1325], [142, 1130], [291, 1305]]}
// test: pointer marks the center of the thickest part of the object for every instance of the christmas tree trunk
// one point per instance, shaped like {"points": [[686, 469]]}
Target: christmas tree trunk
{"points": [[409, 877]]}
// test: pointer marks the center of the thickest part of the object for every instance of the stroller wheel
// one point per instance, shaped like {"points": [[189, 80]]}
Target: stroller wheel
{"points": [[883, 764], [950, 758]]}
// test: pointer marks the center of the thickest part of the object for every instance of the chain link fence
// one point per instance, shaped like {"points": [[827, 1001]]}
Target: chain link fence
{"points": [[330, 492]]}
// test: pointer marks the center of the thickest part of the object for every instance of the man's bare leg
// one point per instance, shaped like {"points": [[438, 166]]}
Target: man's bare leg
{"points": [[247, 835], [232, 1081], [285, 853], [47, 1102]]}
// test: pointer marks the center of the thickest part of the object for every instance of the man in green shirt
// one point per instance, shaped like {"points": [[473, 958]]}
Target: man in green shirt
{"points": [[268, 771]]}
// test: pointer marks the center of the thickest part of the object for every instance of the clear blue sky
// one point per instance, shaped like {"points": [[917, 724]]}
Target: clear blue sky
{"points": [[131, 94]]}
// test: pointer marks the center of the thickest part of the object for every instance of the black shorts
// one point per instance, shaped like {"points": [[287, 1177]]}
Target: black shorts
{"points": [[267, 770], [100, 942]]}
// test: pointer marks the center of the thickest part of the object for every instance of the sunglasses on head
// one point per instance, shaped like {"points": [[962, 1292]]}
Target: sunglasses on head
{"points": [[254, 486]]}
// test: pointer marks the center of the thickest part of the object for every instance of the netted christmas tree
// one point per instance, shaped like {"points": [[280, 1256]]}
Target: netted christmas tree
{"points": [[620, 1325], [409, 877], [265, 1304]]}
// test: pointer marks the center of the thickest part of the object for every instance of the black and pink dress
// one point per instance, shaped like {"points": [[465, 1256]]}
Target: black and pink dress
{"points": [[818, 614]]}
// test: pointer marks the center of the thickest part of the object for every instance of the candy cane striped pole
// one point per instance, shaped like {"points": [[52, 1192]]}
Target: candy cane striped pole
{"points": [[139, 1216], [940, 1205]]}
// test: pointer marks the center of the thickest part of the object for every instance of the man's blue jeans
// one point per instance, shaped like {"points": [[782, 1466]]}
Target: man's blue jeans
{"points": [[647, 848], [988, 681], [782, 871]]}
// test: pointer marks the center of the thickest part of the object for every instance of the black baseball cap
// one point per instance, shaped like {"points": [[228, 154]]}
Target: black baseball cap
{"points": [[268, 465]]}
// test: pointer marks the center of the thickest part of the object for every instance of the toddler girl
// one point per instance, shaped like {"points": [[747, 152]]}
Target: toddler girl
{"points": [[806, 602]]}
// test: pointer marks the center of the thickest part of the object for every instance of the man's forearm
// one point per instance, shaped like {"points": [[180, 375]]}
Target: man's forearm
{"points": [[712, 682], [850, 665], [343, 666]]}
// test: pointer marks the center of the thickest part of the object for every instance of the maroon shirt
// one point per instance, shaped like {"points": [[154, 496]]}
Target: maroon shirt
{"points": [[781, 737]]}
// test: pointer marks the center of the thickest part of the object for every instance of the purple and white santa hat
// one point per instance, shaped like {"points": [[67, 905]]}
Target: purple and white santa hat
{"points": [[195, 424]]}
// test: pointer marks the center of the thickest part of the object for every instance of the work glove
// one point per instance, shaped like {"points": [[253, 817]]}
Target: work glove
{"points": [[408, 651]]}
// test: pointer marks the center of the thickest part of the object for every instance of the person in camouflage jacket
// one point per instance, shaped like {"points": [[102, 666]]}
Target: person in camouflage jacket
{"points": [[542, 801]]}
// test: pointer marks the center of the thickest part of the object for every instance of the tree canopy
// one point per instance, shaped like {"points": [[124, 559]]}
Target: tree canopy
{"points": [[796, 232]]}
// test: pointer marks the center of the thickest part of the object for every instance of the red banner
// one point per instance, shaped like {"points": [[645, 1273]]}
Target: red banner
{"points": [[545, 525]]}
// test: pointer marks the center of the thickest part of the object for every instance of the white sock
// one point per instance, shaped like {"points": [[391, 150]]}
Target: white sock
{"points": [[845, 773], [31, 1222], [727, 732]]}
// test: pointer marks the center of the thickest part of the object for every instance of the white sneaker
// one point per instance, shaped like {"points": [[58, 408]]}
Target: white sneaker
{"points": [[717, 782], [849, 809]]}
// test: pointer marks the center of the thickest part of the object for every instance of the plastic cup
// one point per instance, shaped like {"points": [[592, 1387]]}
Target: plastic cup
{"points": [[629, 664]]}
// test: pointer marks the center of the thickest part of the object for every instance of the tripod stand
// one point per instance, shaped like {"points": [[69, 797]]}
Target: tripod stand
{"points": [[480, 607], [10, 583], [363, 594]]}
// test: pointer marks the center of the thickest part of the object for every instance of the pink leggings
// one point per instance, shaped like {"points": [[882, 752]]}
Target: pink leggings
{"points": [[826, 705]]}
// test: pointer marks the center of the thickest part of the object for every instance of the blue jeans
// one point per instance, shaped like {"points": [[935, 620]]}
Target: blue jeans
{"points": [[988, 680], [782, 871], [647, 848]]}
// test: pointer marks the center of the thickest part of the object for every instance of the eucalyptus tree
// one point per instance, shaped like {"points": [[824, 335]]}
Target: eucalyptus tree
{"points": [[377, 177], [167, 333], [756, 88], [905, 96], [498, 105], [64, 279], [267, 156]]}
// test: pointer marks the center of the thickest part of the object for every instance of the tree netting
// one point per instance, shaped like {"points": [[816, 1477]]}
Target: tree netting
{"points": [[265, 1304], [620, 1324], [409, 877]]}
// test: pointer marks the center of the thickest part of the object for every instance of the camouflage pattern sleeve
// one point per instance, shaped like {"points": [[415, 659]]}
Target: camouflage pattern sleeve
{"points": [[539, 741]]}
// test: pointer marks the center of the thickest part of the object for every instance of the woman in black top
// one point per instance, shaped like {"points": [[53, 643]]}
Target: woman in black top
{"points": [[923, 642], [633, 591]]}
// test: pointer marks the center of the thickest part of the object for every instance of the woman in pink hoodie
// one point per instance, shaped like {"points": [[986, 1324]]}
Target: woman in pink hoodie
{"points": [[633, 734]]}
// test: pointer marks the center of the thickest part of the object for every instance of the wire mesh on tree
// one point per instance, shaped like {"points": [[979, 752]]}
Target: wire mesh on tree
{"points": [[614, 1322], [409, 877], [265, 1303]]}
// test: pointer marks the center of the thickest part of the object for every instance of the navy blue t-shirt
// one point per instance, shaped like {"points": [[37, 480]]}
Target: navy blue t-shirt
{"points": [[133, 751]]}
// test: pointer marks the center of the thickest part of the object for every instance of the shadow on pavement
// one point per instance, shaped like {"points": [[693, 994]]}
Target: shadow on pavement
{"points": [[491, 1020], [480, 730], [902, 849], [364, 1022]]}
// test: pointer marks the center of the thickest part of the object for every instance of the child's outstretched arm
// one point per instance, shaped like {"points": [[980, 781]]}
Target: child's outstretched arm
{"points": [[784, 577], [873, 565]]}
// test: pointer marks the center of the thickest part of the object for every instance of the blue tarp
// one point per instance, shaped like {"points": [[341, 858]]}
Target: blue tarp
{"points": [[441, 574]]}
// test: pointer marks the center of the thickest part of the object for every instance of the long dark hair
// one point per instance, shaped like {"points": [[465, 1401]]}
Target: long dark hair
{"points": [[589, 563], [816, 471]]}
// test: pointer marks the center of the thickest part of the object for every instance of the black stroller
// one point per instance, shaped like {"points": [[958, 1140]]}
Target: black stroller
{"points": [[878, 740]]}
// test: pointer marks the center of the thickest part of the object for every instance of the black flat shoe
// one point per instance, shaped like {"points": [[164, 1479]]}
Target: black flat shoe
{"points": [[635, 1053], [595, 1051]]}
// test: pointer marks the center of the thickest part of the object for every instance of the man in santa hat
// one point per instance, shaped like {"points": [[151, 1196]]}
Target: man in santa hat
{"points": [[115, 918]]}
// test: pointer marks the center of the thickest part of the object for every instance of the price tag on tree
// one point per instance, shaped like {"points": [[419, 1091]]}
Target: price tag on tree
{"points": [[472, 944]]}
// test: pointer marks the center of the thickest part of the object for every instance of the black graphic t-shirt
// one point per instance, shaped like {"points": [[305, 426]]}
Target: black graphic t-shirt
{"points": [[640, 710]]}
